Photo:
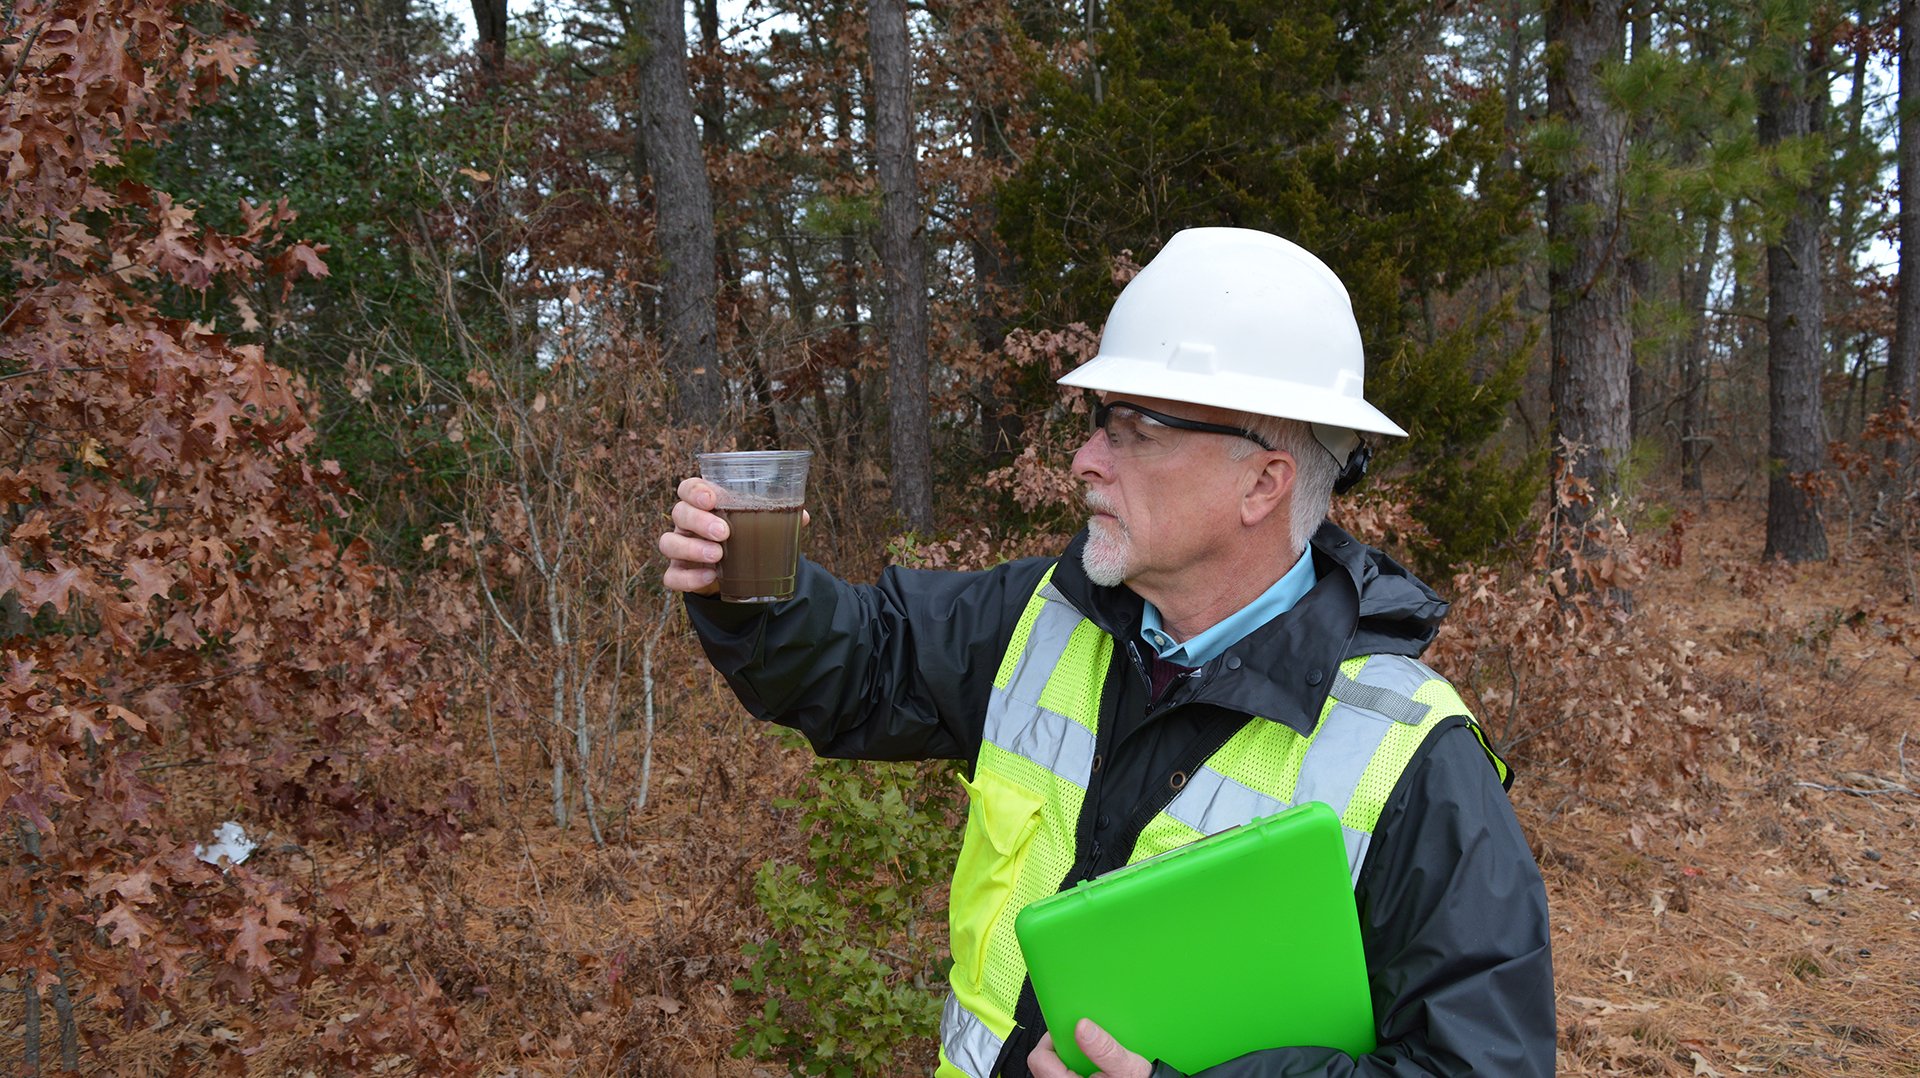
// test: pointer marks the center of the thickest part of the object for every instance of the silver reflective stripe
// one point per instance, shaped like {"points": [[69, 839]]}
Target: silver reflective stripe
{"points": [[1350, 735], [1357, 843], [966, 1040], [1211, 802], [1048, 738], [1046, 643], [1016, 722], [1393, 705], [1396, 674], [1339, 755]]}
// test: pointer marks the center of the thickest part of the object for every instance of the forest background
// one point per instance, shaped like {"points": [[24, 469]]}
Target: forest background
{"points": [[350, 362]]}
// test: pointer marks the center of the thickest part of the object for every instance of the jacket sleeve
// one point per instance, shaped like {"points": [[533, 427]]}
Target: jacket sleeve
{"points": [[1454, 918], [899, 670]]}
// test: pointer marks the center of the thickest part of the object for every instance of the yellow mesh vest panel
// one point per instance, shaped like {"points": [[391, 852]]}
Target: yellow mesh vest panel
{"points": [[1022, 820], [1261, 755], [1076, 681], [1017, 646], [1402, 741], [1014, 795], [1161, 834], [1267, 756]]}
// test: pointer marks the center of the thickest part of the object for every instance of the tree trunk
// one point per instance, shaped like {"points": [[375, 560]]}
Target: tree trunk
{"points": [[1695, 287], [1795, 448], [1639, 266], [713, 89], [490, 27], [1516, 58], [993, 282], [385, 26], [800, 299], [1090, 29], [487, 291], [1903, 358], [903, 259], [306, 97], [683, 208], [712, 109], [848, 338], [1853, 214], [1590, 330]]}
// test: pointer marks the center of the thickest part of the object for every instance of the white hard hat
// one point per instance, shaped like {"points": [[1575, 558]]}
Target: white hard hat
{"points": [[1240, 319]]}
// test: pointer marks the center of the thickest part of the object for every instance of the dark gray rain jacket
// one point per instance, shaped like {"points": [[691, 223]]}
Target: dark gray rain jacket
{"points": [[1453, 914]]}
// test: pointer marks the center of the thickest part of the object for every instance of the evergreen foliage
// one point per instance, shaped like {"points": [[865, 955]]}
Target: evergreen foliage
{"points": [[1251, 114], [369, 160]]}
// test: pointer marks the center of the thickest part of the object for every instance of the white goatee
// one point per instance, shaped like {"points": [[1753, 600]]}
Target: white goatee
{"points": [[1105, 556]]}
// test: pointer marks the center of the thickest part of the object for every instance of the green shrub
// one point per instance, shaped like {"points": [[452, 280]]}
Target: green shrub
{"points": [[854, 963]]}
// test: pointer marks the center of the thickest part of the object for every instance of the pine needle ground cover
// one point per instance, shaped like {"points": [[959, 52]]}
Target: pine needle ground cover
{"points": [[1750, 910]]}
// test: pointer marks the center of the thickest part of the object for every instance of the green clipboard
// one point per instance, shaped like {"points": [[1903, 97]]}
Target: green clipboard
{"points": [[1244, 940]]}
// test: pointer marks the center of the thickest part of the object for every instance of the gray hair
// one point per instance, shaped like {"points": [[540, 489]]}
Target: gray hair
{"points": [[1315, 470]]}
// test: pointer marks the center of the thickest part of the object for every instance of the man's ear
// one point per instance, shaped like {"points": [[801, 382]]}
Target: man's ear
{"points": [[1269, 489]]}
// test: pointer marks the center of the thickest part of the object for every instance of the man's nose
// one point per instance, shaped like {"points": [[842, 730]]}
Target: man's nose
{"points": [[1093, 461]]}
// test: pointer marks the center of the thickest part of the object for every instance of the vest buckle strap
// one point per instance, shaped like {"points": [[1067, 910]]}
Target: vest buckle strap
{"points": [[1378, 700]]}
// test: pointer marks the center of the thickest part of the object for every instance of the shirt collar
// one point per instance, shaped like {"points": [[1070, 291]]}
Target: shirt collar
{"points": [[1313, 637], [1229, 631]]}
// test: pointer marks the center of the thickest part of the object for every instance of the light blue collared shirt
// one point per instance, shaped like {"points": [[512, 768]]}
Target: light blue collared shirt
{"points": [[1207, 646]]}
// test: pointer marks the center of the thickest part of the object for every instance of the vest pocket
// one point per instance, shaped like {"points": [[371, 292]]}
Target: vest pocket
{"points": [[1002, 818]]}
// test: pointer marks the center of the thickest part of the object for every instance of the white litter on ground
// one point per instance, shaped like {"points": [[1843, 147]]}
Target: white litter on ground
{"points": [[229, 841]]}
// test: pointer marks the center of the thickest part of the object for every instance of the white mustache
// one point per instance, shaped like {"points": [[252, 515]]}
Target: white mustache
{"points": [[1099, 503]]}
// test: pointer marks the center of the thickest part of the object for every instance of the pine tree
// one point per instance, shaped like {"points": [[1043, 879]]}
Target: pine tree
{"points": [[684, 202], [1265, 115], [1796, 448], [1592, 350], [1903, 364], [903, 257]]}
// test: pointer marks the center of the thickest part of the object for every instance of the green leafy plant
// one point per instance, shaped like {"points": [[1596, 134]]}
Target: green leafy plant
{"points": [[855, 953]]}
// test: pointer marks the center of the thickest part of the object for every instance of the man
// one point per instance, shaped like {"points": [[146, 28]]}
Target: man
{"points": [[1206, 652]]}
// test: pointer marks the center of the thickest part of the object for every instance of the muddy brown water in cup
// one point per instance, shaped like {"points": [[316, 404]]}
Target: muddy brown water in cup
{"points": [[762, 553], [760, 495]]}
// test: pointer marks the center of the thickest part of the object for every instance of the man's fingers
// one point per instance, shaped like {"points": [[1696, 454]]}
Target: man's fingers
{"points": [[1097, 1043], [697, 581], [693, 547], [698, 493], [694, 520], [1044, 1063], [679, 546], [1113, 1059]]}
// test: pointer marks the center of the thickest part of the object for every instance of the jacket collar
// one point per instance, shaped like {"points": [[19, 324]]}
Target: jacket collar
{"points": [[1284, 669]]}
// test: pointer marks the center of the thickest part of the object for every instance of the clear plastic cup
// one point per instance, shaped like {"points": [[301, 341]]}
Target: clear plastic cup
{"points": [[761, 497]]}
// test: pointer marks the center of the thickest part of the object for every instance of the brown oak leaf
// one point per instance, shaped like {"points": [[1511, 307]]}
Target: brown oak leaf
{"points": [[149, 579], [124, 925], [217, 417], [249, 945], [135, 886], [308, 258], [56, 587]]}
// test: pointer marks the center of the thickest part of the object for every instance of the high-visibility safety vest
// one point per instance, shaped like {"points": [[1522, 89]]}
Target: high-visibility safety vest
{"points": [[1037, 756]]}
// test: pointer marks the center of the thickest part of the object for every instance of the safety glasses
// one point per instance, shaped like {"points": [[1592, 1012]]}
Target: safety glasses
{"points": [[1135, 430]]}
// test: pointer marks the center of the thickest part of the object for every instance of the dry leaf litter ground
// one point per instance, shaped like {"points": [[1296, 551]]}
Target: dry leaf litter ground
{"points": [[1765, 921], [1757, 918]]}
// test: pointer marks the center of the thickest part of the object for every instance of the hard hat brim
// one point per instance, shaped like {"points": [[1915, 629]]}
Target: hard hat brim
{"points": [[1240, 393]]}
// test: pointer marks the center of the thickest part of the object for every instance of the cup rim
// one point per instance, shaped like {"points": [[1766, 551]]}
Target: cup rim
{"points": [[757, 455]]}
